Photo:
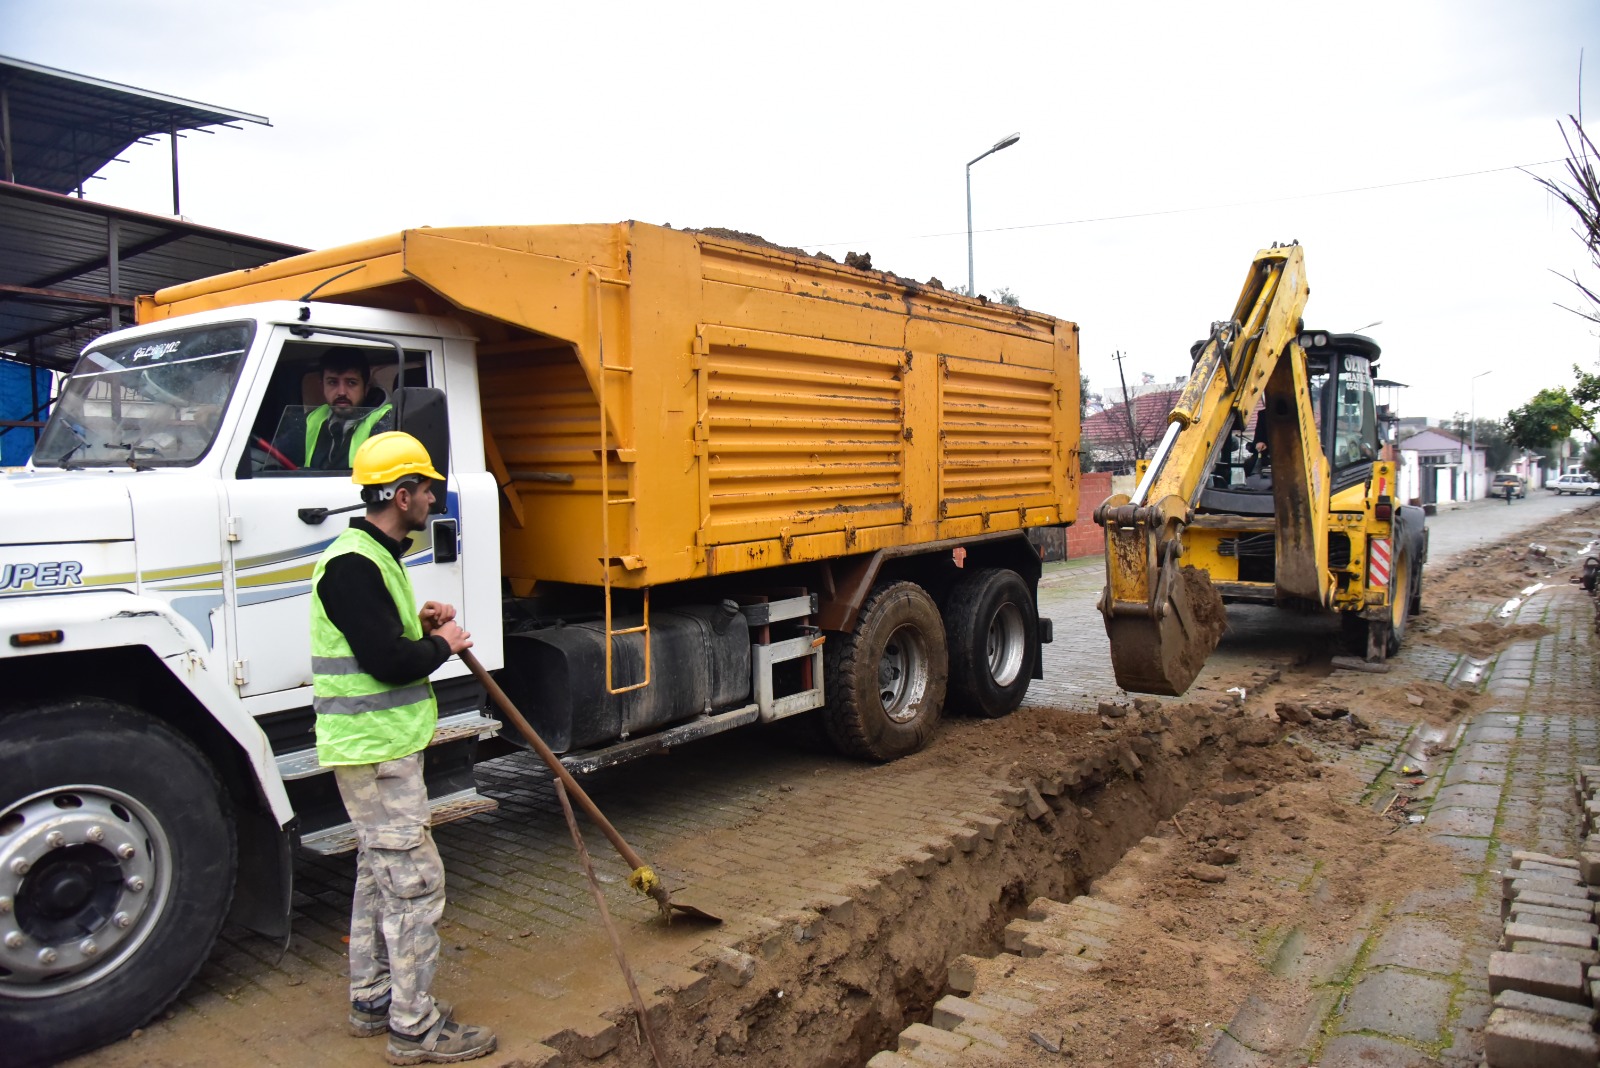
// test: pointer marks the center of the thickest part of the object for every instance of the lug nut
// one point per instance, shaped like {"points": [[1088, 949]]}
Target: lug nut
{"points": [[5, 905], [122, 919], [97, 834], [20, 866], [88, 948], [55, 839], [14, 940], [126, 851], [135, 884], [47, 956]]}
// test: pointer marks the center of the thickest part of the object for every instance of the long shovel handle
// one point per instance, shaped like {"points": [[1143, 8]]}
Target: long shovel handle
{"points": [[552, 760]]}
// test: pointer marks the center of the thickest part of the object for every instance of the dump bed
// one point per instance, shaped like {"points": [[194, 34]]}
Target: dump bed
{"points": [[761, 406]]}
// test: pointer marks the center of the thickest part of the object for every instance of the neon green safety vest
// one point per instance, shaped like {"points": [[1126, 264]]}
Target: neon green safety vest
{"points": [[319, 418], [359, 719]]}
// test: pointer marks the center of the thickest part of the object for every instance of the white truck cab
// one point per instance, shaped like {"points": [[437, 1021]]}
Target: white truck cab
{"points": [[155, 659]]}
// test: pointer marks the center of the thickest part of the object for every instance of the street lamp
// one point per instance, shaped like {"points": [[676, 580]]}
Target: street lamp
{"points": [[1005, 142], [1472, 469]]}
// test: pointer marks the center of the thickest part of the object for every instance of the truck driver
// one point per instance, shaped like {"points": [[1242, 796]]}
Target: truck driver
{"points": [[353, 409]]}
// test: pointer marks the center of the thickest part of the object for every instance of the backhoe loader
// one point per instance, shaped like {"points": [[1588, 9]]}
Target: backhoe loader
{"points": [[1301, 515]]}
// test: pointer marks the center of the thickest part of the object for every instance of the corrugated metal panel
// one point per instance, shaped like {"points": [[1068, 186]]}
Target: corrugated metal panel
{"points": [[800, 428], [58, 243]]}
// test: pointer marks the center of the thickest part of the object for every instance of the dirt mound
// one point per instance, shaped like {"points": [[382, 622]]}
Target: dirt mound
{"points": [[1488, 637]]}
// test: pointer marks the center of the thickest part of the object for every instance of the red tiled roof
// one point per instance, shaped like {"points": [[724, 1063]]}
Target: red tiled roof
{"points": [[1109, 428]]}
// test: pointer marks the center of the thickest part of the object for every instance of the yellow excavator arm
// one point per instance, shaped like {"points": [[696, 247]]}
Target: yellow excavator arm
{"points": [[1164, 620]]}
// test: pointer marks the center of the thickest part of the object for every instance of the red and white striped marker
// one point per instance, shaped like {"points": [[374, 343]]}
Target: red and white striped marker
{"points": [[1378, 563]]}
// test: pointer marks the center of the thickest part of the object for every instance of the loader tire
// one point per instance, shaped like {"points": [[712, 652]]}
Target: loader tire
{"points": [[992, 629], [117, 856], [886, 679]]}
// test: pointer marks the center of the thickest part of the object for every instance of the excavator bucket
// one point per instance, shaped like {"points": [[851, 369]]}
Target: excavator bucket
{"points": [[1162, 655]]}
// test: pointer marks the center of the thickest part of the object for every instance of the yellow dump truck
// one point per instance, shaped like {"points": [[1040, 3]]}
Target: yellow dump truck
{"points": [[694, 482]]}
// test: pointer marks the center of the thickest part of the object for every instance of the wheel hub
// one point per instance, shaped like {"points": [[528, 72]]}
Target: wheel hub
{"points": [[84, 873], [1006, 644], [903, 674]]}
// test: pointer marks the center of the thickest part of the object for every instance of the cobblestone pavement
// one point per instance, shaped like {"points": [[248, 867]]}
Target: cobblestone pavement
{"points": [[1410, 986], [522, 948]]}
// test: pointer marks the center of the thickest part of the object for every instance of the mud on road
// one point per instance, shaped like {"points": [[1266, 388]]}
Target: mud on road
{"points": [[850, 890]]}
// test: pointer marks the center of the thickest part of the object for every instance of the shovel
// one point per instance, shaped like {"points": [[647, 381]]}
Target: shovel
{"points": [[643, 879]]}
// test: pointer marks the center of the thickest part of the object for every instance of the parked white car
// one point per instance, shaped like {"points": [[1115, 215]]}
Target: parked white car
{"points": [[1575, 484]]}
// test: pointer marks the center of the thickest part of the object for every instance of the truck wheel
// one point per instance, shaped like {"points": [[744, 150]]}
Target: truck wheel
{"points": [[886, 679], [992, 628], [116, 870]]}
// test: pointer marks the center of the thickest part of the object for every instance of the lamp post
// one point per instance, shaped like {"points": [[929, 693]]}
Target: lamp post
{"points": [[1472, 417], [1005, 142]]}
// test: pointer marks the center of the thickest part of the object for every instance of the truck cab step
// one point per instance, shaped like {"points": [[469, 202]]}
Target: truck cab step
{"points": [[302, 763], [447, 808]]}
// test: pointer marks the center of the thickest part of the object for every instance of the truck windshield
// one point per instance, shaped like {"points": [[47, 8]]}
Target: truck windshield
{"points": [[154, 402]]}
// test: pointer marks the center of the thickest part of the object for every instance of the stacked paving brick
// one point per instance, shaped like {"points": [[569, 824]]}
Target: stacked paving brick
{"points": [[1545, 979]]}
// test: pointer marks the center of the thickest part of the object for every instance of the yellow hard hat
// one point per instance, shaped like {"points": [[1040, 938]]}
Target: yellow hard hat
{"points": [[390, 456]]}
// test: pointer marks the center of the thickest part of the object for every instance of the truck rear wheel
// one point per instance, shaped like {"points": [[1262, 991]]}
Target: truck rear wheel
{"points": [[116, 871], [993, 630], [886, 679]]}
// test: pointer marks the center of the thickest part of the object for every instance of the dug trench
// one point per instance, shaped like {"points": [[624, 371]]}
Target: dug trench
{"points": [[833, 984]]}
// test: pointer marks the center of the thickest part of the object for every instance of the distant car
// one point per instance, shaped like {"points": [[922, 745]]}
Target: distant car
{"points": [[1575, 484], [1516, 483]]}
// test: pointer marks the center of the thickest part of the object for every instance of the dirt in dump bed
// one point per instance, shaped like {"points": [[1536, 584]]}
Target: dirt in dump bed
{"points": [[859, 260]]}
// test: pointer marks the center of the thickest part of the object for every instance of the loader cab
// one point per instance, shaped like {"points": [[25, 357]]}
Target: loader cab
{"points": [[1339, 373], [1339, 379]]}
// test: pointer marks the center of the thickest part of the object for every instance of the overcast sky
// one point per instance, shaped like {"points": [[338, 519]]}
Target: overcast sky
{"points": [[1162, 145]]}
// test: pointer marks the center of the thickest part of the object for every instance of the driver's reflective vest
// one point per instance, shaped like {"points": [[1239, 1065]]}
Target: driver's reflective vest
{"points": [[319, 418], [361, 720]]}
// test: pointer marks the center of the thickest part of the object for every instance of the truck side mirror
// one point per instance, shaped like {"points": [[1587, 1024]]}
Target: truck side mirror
{"points": [[421, 412]]}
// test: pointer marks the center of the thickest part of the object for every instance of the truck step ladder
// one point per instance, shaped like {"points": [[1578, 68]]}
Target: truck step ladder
{"points": [[607, 502]]}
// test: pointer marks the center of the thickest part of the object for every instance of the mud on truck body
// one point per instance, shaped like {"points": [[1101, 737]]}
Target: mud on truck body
{"points": [[693, 483]]}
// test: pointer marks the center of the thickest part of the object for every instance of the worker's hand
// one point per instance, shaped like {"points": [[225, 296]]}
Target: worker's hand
{"points": [[435, 615], [458, 639]]}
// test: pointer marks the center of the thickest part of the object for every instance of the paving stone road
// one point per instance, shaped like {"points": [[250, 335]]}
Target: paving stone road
{"points": [[517, 904]]}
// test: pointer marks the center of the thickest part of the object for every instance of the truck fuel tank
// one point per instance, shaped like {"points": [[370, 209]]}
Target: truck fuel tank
{"points": [[557, 675]]}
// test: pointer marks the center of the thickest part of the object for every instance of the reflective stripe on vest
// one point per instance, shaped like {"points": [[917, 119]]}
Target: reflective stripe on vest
{"points": [[319, 418], [360, 719]]}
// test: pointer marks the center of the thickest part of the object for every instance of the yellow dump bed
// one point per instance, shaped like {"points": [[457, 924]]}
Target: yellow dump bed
{"points": [[761, 406]]}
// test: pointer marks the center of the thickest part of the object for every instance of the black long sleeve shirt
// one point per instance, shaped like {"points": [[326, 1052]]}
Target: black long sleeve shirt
{"points": [[358, 603]]}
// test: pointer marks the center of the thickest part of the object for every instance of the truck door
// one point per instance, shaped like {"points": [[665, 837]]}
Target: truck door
{"points": [[290, 494]]}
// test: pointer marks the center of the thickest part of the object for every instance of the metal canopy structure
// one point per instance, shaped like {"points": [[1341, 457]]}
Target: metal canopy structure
{"points": [[69, 268], [58, 129]]}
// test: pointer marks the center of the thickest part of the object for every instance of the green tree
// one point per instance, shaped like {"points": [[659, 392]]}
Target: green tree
{"points": [[1008, 298], [1591, 459], [1551, 416]]}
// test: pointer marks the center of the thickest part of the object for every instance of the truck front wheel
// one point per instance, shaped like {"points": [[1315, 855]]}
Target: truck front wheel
{"points": [[886, 679], [993, 632], [116, 870]]}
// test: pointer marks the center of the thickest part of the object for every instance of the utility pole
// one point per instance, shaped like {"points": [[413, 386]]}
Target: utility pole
{"points": [[1127, 407]]}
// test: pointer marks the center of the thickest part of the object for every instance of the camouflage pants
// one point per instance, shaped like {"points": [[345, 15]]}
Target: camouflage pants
{"points": [[399, 895]]}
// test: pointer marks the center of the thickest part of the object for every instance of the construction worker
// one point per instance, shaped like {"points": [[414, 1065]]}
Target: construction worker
{"points": [[352, 410], [372, 651]]}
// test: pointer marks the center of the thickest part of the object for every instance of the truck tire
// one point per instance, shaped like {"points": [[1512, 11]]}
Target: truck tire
{"points": [[886, 679], [117, 863], [992, 628]]}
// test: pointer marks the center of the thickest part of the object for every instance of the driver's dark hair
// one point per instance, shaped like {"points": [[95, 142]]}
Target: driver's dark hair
{"points": [[345, 359]]}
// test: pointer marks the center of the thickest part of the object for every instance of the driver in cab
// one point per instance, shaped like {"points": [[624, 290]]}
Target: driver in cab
{"points": [[352, 411]]}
